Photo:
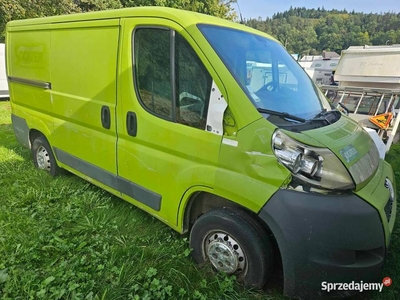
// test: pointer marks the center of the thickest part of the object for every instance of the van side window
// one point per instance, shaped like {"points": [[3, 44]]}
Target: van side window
{"points": [[171, 80], [153, 70], [193, 86]]}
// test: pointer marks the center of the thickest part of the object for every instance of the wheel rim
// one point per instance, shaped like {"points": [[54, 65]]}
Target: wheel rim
{"points": [[224, 253], [43, 159]]}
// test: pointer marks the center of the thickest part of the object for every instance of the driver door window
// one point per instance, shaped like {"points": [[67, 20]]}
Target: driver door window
{"points": [[171, 80], [193, 85], [153, 70]]}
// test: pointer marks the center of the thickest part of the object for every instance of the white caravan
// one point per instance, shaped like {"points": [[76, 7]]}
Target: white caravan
{"points": [[319, 68]]}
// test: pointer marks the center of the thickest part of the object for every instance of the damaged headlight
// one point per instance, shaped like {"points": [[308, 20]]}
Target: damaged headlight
{"points": [[317, 167]]}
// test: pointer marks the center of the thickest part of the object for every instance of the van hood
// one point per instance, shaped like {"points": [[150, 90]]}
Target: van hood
{"points": [[350, 143]]}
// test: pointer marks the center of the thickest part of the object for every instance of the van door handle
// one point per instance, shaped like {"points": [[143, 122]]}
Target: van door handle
{"points": [[131, 123], [105, 117]]}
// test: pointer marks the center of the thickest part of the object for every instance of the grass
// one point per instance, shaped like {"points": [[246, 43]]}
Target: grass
{"points": [[64, 238]]}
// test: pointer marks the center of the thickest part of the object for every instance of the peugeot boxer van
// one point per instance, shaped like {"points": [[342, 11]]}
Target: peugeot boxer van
{"points": [[213, 128]]}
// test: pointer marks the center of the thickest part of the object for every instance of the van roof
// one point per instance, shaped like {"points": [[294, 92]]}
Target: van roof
{"points": [[183, 17]]}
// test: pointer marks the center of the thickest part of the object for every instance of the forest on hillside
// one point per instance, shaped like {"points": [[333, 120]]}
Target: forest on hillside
{"points": [[311, 31]]}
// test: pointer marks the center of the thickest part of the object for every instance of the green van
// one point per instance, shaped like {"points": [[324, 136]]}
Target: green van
{"points": [[213, 128]]}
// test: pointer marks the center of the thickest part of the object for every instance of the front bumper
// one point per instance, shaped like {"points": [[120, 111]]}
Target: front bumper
{"points": [[332, 238]]}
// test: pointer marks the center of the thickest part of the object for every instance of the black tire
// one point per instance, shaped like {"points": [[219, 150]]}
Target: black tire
{"points": [[43, 157], [226, 233]]}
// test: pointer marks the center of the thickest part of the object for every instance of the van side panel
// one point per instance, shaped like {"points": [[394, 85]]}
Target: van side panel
{"points": [[30, 52], [83, 78], [28, 71]]}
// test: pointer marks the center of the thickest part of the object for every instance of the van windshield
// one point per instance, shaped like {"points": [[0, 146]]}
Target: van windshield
{"points": [[267, 73]]}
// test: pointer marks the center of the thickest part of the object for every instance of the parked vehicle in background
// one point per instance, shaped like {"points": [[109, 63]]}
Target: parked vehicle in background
{"points": [[369, 88], [320, 67], [213, 128], [3, 78]]}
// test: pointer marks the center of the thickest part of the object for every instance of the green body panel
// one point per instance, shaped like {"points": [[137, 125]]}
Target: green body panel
{"points": [[248, 170], [29, 58], [341, 134], [377, 195], [36, 120], [80, 87], [336, 137], [87, 58]]}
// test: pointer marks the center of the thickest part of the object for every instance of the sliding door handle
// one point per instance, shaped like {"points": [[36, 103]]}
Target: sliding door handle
{"points": [[105, 117]]}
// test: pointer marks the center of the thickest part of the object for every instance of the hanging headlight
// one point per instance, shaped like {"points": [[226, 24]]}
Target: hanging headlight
{"points": [[292, 159], [309, 165], [317, 167]]}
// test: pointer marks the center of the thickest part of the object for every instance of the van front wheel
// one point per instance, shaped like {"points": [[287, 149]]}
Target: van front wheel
{"points": [[43, 157], [234, 243]]}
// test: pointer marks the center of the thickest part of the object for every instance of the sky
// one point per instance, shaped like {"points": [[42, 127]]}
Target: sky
{"points": [[266, 8]]}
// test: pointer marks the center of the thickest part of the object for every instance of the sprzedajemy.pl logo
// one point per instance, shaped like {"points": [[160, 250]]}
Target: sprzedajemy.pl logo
{"points": [[356, 286]]}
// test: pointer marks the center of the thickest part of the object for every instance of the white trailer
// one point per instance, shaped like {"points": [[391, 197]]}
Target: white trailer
{"points": [[3, 77], [370, 66], [369, 86], [319, 68]]}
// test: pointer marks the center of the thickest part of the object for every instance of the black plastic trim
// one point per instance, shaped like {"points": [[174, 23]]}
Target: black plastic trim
{"points": [[133, 190], [332, 238], [35, 83], [21, 130]]}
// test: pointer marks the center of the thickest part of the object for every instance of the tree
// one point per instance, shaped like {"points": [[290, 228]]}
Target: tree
{"points": [[218, 8], [92, 5], [311, 31], [9, 10], [23, 9]]}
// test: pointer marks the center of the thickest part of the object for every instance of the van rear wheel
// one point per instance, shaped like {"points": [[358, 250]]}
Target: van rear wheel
{"points": [[43, 157], [233, 243]]}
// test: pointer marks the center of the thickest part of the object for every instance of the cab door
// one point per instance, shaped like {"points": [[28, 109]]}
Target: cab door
{"points": [[165, 146]]}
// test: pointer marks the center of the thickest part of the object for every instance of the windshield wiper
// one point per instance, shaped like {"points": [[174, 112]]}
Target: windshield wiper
{"points": [[328, 117], [283, 115], [320, 114]]}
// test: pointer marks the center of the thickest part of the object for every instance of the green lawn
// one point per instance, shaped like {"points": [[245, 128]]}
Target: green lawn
{"points": [[64, 238]]}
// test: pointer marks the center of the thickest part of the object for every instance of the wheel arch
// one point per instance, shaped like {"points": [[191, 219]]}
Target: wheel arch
{"points": [[37, 127], [34, 134], [203, 200]]}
